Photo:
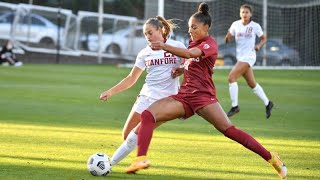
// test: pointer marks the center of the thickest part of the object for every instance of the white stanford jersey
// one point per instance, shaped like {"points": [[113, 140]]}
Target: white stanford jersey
{"points": [[245, 36], [159, 83]]}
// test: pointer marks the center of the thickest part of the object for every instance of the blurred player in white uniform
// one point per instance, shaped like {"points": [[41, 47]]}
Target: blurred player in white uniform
{"points": [[160, 82], [245, 31]]}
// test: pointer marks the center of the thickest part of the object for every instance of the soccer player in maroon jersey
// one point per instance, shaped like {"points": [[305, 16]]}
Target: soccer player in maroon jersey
{"points": [[196, 95]]}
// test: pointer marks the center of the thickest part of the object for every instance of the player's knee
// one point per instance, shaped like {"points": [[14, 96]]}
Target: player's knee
{"points": [[252, 84], [147, 117], [229, 131], [231, 79]]}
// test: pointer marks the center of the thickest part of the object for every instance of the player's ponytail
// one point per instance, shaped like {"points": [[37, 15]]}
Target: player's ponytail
{"points": [[204, 8], [203, 14], [167, 26]]}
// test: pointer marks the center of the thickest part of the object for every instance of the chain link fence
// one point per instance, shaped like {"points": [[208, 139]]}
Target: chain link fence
{"points": [[293, 30]]}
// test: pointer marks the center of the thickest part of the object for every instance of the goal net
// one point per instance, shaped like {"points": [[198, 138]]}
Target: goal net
{"points": [[293, 26]]}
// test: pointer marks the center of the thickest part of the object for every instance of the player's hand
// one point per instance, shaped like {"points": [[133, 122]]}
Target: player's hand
{"points": [[226, 40], [176, 71], [105, 95], [257, 48], [157, 45]]}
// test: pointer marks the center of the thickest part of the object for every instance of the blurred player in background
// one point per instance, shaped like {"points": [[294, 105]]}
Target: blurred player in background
{"points": [[196, 95], [7, 57], [159, 82], [245, 31]]}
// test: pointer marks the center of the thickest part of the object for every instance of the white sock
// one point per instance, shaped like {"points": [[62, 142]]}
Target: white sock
{"points": [[125, 148], [233, 90], [260, 93]]}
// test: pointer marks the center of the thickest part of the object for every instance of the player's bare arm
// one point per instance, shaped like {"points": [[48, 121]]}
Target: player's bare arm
{"points": [[227, 39], [181, 52], [123, 85], [263, 40]]}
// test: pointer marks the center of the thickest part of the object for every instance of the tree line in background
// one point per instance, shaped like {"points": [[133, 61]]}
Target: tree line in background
{"points": [[119, 7]]}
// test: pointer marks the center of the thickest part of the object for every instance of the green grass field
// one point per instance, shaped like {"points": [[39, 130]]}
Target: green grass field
{"points": [[51, 121]]}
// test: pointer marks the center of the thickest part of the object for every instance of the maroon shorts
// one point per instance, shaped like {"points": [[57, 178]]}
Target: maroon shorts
{"points": [[193, 102]]}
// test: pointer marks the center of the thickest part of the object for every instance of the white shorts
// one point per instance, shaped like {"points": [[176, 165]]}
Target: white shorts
{"points": [[250, 60], [142, 103]]}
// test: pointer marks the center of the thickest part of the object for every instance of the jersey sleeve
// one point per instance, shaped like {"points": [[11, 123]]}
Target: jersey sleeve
{"points": [[232, 29], [140, 61], [259, 31], [208, 48]]}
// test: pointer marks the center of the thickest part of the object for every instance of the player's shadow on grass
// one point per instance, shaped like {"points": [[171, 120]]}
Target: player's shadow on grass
{"points": [[45, 168], [36, 172], [55, 129], [42, 160]]}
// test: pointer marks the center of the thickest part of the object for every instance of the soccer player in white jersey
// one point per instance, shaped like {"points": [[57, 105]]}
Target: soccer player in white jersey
{"points": [[245, 31], [160, 82]]}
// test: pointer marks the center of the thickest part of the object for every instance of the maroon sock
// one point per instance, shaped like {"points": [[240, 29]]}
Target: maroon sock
{"points": [[145, 132], [247, 141]]}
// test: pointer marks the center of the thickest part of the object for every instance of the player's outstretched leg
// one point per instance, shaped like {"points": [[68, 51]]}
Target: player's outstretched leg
{"points": [[144, 139], [278, 165], [250, 143]]}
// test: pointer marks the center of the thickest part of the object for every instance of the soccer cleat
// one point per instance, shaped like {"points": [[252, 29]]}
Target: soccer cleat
{"points": [[268, 109], [233, 111], [140, 162], [278, 165]]}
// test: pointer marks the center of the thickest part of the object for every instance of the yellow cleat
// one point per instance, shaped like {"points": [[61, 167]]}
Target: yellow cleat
{"points": [[278, 165], [140, 162]]}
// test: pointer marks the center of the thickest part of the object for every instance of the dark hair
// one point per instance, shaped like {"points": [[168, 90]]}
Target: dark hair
{"points": [[7, 43], [247, 6], [167, 26], [203, 14]]}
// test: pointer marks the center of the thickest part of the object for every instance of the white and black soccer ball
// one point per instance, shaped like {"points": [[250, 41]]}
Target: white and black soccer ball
{"points": [[99, 164]]}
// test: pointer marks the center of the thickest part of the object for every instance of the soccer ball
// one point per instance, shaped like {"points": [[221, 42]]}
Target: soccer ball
{"points": [[99, 164]]}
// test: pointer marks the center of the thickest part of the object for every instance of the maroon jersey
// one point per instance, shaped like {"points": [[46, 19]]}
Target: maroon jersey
{"points": [[198, 71]]}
